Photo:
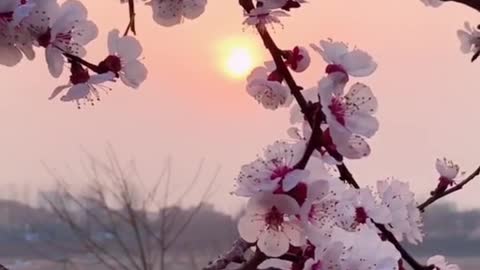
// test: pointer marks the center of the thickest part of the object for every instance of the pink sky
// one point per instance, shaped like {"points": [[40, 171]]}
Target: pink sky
{"points": [[188, 108]]}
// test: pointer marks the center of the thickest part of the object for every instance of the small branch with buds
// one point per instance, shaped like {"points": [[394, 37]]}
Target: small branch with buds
{"points": [[459, 186]]}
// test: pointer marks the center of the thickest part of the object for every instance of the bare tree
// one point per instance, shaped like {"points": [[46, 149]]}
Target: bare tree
{"points": [[120, 223]]}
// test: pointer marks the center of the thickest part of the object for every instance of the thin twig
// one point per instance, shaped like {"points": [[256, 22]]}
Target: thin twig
{"points": [[451, 190], [131, 23]]}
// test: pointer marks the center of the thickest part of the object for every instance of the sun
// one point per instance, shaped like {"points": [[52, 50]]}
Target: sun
{"points": [[239, 62], [237, 56]]}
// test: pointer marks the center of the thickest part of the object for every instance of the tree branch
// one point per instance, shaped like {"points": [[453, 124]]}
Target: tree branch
{"points": [[313, 141], [405, 255], [295, 90], [234, 255], [475, 4], [451, 190], [255, 261]]}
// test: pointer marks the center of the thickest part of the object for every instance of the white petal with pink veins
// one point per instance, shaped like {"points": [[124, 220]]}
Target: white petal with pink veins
{"points": [[76, 92], [273, 243], [84, 32], [55, 61], [362, 124], [167, 12], [250, 227], [286, 204], [129, 49], [355, 148], [358, 63], [294, 232], [257, 73], [194, 8], [317, 190], [360, 98], [134, 74], [58, 90], [9, 55], [446, 168], [330, 51], [101, 78], [113, 37], [261, 203]]}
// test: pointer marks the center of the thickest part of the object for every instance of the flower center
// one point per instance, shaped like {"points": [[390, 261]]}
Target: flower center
{"points": [[274, 218], [338, 109], [280, 172], [294, 58], [335, 68], [299, 192], [44, 39], [78, 74], [361, 215], [111, 63], [64, 37], [443, 184]]}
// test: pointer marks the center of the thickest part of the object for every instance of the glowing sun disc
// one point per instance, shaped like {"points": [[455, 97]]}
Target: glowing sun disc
{"points": [[237, 55], [239, 62]]}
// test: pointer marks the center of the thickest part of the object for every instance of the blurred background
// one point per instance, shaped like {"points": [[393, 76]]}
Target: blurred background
{"points": [[193, 122]]}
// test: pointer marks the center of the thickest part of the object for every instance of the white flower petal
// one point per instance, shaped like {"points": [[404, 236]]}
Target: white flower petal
{"points": [[134, 74], [55, 61], [113, 38], [76, 92], [129, 48], [358, 63], [58, 90], [273, 243], [293, 178], [9, 55], [354, 148], [294, 232], [250, 227]]}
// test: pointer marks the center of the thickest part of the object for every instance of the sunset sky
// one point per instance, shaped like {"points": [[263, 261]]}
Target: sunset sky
{"points": [[190, 108]]}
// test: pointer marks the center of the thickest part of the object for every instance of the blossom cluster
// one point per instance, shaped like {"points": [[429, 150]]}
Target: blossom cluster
{"points": [[62, 29], [304, 209], [310, 210]]}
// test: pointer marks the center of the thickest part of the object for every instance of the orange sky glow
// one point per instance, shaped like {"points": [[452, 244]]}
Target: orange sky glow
{"points": [[190, 109]]}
